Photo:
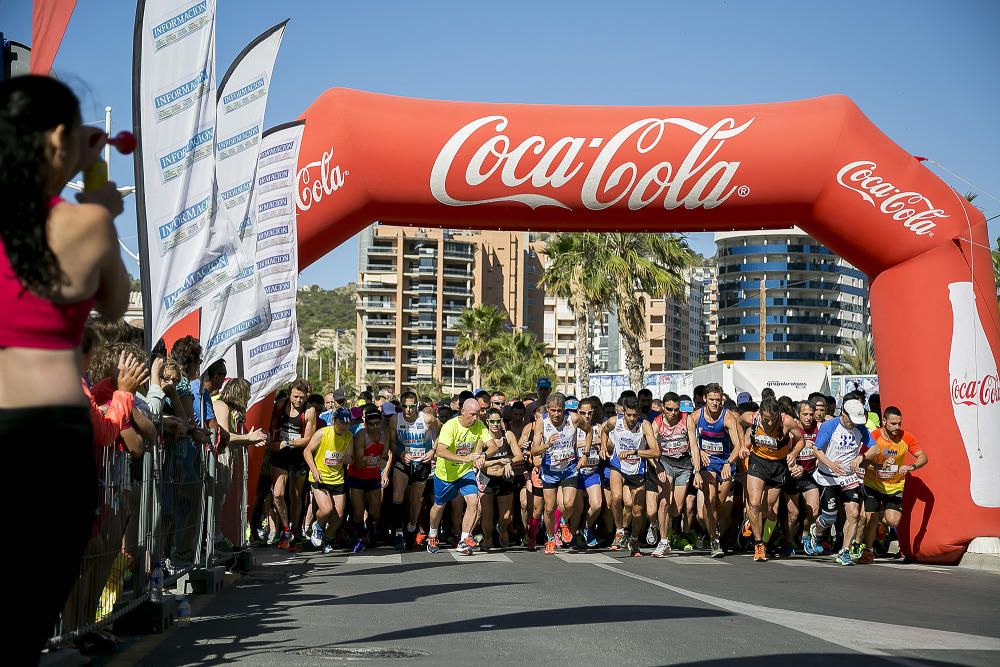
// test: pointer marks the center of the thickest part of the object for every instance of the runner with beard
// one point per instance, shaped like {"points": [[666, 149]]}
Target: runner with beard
{"points": [[674, 468]]}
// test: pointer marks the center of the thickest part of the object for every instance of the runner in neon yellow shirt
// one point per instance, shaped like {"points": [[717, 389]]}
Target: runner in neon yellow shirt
{"points": [[460, 452]]}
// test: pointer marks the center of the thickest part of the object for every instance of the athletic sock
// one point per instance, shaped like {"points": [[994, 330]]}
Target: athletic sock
{"points": [[466, 536], [433, 532], [769, 526]]}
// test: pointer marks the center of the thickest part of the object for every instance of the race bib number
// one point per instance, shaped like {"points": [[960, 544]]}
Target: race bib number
{"points": [[807, 454], [630, 455], [561, 452], [675, 447], [888, 471], [711, 446], [848, 482], [333, 458], [416, 452], [765, 442], [464, 448], [372, 461]]}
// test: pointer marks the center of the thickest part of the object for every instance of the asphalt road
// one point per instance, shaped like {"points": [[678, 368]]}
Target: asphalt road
{"points": [[596, 608]]}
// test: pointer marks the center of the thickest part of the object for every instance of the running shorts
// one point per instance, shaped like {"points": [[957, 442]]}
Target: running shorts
{"points": [[499, 486], [415, 472], [553, 479], [675, 469], [587, 481], [364, 484], [876, 501], [632, 481], [444, 491], [773, 473], [332, 489], [796, 486], [831, 494]]}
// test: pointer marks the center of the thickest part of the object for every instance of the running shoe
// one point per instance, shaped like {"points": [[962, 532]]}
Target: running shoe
{"points": [[532, 543], [285, 541], [684, 545], [662, 549], [589, 538], [717, 551], [420, 538], [747, 530], [867, 557], [633, 547], [651, 535], [503, 540], [620, 540], [565, 534], [467, 547], [855, 551], [318, 536], [700, 541], [400, 542], [815, 534], [550, 547], [359, 546], [485, 544], [327, 548], [432, 545], [844, 558], [787, 550], [759, 553], [807, 545]]}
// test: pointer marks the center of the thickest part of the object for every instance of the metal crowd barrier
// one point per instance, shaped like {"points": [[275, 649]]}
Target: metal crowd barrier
{"points": [[180, 504]]}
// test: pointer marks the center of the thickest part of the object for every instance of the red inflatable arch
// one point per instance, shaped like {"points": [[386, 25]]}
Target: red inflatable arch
{"points": [[819, 163]]}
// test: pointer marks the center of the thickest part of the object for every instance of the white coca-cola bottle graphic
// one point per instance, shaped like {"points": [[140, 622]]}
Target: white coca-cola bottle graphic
{"points": [[975, 395]]}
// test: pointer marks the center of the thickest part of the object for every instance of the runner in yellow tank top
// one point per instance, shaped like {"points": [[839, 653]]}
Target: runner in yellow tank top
{"points": [[327, 454]]}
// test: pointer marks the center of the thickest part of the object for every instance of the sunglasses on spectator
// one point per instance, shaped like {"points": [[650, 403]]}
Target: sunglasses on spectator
{"points": [[494, 421]]}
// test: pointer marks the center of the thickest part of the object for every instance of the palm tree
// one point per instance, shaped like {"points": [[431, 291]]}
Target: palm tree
{"points": [[517, 359], [630, 267], [570, 275], [858, 359], [477, 327], [996, 263], [374, 381], [432, 391]]}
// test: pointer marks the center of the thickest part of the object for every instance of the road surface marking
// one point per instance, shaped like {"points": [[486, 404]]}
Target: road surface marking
{"points": [[479, 557], [867, 637], [384, 559], [586, 558]]}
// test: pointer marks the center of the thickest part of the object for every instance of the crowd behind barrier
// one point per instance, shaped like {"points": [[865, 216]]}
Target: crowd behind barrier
{"points": [[171, 495]]}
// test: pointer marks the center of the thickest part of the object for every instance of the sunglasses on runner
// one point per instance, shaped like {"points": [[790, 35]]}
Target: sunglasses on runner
{"points": [[409, 406], [671, 409]]}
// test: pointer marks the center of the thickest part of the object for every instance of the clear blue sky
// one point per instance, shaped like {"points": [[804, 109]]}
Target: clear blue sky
{"points": [[925, 72]]}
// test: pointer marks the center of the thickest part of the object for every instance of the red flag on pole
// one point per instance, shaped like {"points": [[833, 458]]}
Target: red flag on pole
{"points": [[48, 25]]}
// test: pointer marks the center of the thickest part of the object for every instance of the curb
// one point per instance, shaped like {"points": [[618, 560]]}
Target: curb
{"points": [[986, 562]]}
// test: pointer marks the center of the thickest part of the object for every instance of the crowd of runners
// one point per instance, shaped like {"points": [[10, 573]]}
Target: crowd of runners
{"points": [[486, 471]]}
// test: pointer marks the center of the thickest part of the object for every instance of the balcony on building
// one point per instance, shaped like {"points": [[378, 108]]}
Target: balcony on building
{"points": [[379, 322]]}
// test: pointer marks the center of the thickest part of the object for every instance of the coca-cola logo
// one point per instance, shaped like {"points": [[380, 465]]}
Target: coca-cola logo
{"points": [[976, 392], [610, 176], [310, 189], [914, 210]]}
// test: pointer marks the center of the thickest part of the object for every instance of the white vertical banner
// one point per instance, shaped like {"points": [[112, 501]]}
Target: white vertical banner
{"points": [[269, 360], [239, 309], [184, 257]]}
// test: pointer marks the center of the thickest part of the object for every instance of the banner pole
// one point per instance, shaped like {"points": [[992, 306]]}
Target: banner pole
{"points": [[140, 190]]}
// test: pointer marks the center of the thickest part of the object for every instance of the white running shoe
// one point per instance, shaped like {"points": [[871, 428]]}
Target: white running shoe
{"points": [[662, 549], [317, 537]]}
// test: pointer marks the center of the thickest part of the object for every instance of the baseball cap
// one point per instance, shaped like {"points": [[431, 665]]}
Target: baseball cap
{"points": [[385, 393], [339, 396], [342, 415], [743, 397], [544, 382], [360, 403], [687, 406], [572, 404], [388, 409], [855, 411]]}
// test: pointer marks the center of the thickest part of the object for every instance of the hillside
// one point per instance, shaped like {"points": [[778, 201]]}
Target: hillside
{"points": [[318, 308]]}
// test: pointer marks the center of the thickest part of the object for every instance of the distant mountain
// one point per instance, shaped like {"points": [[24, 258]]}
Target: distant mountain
{"points": [[318, 308]]}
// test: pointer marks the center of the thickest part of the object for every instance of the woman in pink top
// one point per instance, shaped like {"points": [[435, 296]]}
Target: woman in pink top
{"points": [[57, 261]]}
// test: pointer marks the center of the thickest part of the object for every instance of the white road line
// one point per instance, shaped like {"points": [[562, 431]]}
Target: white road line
{"points": [[803, 563], [916, 566], [695, 560], [384, 559], [867, 637], [479, 557], [586, 558]]}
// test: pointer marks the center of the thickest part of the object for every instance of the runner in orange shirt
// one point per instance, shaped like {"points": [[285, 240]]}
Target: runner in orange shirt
{"points": [[885, 475]]}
